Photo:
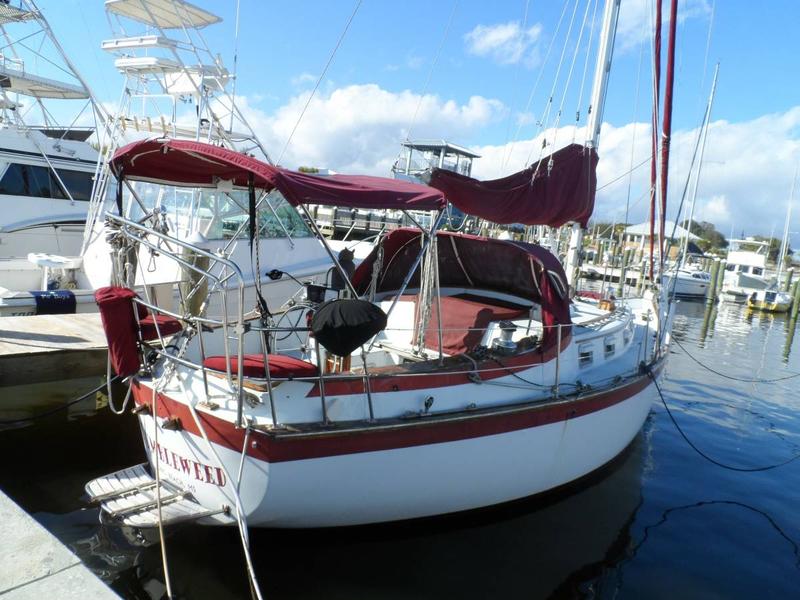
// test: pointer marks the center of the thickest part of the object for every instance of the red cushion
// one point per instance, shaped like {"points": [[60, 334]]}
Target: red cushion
{"points": [[280, 366], [166, 325], [464, 322]]}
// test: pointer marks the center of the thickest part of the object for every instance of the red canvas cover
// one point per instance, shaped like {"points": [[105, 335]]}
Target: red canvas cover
{"points": [[280, 366], [539, 195], [119, 324], [182, 162], [166, 326], [474, 262], [464, 323]]}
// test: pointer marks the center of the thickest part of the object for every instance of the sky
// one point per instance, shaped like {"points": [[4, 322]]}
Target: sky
{"points": [[480, 74]]}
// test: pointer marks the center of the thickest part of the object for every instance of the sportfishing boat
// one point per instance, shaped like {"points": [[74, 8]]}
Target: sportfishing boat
{"points": [[46, 169], [157, 49], [446, 372]]}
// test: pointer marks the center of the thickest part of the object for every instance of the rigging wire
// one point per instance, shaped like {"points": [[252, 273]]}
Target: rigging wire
{"points": [[626, 173], [706, 456], [516, 78], [569, 74], [319, 80], [633, 136], [536, 83], [430, 71], [549, 103], [585, 73]]}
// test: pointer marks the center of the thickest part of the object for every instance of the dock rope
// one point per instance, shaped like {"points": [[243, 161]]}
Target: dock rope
{"points": [[47, 413], [706, 456]]}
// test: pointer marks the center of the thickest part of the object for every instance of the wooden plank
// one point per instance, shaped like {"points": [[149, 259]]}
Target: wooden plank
{"points": [[42, 348]]}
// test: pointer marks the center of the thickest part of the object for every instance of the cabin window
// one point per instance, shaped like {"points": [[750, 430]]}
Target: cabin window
{"points": [[78, 183], [758, 271], [730, 268], [609, 346], [585, 355], [41, 182]]}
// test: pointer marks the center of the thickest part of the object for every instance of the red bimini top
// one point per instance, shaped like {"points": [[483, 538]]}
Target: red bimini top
{"points": [[197, 164]]}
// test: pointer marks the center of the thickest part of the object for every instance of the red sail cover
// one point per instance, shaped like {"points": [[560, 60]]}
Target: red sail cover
{"points": [[539, 195], [181, 162]]}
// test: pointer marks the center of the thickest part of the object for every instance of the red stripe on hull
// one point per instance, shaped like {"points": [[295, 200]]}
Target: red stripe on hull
{"points": [[281, 447]]}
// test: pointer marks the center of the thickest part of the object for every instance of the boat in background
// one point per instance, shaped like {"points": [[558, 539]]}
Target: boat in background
{"points": [[689, 281], [746, 269], [46, 169], [162, 53]]}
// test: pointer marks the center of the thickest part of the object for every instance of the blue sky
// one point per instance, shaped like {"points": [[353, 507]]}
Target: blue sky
{"points": [[489, 62]]}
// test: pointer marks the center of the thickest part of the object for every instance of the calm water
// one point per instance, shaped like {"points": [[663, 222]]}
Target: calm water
{"points": [[660, 522]]}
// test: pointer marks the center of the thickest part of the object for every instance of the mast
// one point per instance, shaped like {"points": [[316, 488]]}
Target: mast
{"points": [[785, 241], [654, 155], [704, 135], [605, 53], [666, 133]]}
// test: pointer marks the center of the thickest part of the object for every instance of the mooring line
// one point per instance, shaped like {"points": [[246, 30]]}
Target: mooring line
{"points": [[732, 377], [706, 456], [60, 408]]}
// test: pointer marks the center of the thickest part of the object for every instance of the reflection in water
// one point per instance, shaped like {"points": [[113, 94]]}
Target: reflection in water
{"points": [[709, 317]]}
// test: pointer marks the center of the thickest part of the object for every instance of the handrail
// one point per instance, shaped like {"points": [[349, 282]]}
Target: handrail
{"points": [[217, 259]]}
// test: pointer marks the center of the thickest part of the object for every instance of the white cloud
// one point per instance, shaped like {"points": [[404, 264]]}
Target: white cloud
{"points": [[505, 43], [359, 128], [303, 79], [746, 177], [745, 184], [636, 18]]}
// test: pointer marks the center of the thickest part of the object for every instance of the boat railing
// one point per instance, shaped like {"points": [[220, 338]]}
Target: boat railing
{"points": [[224, 275]]}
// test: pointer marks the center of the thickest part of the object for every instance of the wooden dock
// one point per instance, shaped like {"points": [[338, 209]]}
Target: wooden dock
{"points": [[44, 348]]}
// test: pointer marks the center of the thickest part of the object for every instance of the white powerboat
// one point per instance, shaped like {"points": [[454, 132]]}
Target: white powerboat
{"points": [[46, 170], [161, 73]]}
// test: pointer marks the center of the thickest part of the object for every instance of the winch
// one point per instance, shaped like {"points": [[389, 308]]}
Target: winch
{"points": [[505, 344]]}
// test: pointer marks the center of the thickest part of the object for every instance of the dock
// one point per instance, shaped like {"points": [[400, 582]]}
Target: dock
{"points": [[43, 348], [35, 565]]}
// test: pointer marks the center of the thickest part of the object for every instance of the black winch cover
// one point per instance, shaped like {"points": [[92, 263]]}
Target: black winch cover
{"points": [[341, 326]]}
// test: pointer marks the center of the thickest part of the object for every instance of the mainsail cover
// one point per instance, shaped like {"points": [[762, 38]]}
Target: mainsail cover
{"points": [[554, 190]]}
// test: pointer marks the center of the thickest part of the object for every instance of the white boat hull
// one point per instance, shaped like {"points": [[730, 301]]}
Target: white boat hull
{"points": [[416, 480]]}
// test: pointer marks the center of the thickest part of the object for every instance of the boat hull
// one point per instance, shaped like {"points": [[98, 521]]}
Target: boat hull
{"points": [[373, 474]]}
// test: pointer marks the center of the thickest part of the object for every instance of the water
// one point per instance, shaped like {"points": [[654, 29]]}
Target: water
{"points": [[660, 522]]}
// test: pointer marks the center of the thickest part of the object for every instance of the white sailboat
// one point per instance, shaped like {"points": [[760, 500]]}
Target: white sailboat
{"points": [[456, 374]]}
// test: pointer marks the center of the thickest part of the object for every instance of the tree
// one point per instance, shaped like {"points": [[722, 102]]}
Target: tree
{"points": [[711, 238]]}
